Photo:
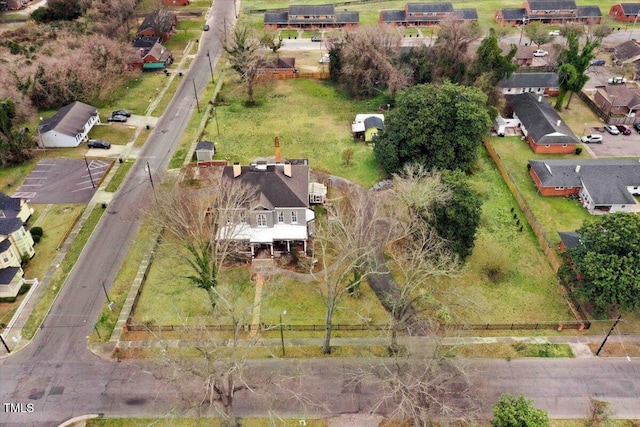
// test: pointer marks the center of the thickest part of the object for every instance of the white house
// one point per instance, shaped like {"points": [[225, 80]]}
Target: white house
{"points": [[69, 127]]}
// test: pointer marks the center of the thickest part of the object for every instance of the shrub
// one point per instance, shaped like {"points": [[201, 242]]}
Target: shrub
{"points": [[24, 288], [578, 151], [25, 259], [36, 231], [36, 238]]}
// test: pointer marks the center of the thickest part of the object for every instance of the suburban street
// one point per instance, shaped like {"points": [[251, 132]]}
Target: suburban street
{"points": [[62, 379]]}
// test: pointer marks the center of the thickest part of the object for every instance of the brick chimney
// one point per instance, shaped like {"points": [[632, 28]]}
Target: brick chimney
{"points": [[276, 145]]}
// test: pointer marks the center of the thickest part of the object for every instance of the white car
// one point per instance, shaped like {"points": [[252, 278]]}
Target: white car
{"points": [[325, 59], [592, 139], [554, 33], [617, 80], [539, 52], [612, 129]]}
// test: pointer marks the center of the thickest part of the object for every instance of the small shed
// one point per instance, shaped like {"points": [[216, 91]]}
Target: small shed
{"points": [[205, 151], [366, 126]]}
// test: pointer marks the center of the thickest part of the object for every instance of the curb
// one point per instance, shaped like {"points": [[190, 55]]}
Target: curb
{"points": [[80, 418]]}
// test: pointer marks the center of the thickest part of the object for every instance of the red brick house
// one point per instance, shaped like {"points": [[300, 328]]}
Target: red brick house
{"points": [[618, 100], [603, 185], [541, 126], [423, 14], [549, 12], [278, 67], [625, 12], [310, 17], [161, 23]]}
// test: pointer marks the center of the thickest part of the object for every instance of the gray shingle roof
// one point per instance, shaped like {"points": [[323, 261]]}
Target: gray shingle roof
{"points": [[276, 17], [70, 119], [589, 12], [145, 42], [347, 17], [392, 15], [161, 19], [627, 50], [552, 5], [373, 122], [571, 239], [276, 189], [9, 225], [541, 120], [327, 9], [4, 245], [7, 275], [630, 8], [204, 145], [445, 7], [525, 80], [513, 14], [606, 180], [468, 14], [9, 205]]}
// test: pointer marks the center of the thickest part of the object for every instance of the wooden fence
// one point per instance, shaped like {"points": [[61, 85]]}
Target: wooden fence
{"points": [[311, 76]]}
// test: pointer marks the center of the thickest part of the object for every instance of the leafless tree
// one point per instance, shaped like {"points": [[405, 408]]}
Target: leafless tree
{"points": [[366, 58], [344, 245], [272, 40], [111, 18], [206, 223], [452, 49], [243, 48]]}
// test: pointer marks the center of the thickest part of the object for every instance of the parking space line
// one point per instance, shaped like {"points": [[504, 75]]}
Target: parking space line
{"points": [[89, 187], [24, 195]]}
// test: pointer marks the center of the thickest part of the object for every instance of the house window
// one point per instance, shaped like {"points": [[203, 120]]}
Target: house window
{"points": [[243, 218], [294, 217], [5, 259], [564, 145], [280, 217], [559, 188], [547, 145], [316, 16], [262, 220]]}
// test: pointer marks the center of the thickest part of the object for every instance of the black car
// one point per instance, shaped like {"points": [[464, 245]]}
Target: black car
{"points": [[125, 113], [117, 118], [98, 143], [636, 126], [597, 61], [206, 27]]}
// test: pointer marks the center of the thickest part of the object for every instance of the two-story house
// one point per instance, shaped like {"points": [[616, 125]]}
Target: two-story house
{"points": [[14, 207], [422, 14], [11, 274], [69, 126], [549, 12], [311, 16], [280, 219]]}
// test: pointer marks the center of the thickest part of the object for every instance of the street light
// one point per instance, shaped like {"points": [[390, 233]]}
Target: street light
{"points": [[281, 331], [634, 24]]}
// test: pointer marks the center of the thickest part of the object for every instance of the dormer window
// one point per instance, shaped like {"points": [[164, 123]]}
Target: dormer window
{"points": [[262, 220]]}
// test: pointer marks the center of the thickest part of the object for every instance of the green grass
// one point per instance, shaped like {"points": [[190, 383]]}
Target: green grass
{"points": [[507, 279], [139, 92], [115, 134], [554, 213], [119, 176], [312, 119], [167, 96], [509, 350], [61, 274]]}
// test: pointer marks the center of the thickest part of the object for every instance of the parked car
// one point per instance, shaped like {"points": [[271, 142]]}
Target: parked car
{"points": [[617, 80], [612, 129], [98, 143], [540, 52], [597, 61], [206, 27], [325, 59], [624, 129], [554, 33], [316, 39], [636, 126], [117, 118], [594, 138], [125, 113]]}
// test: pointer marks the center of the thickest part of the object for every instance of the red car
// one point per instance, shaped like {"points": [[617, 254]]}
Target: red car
{"points": [[624, 129]]}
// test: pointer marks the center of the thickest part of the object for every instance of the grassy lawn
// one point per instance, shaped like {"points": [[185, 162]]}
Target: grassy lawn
{"points": [[509, 351], [167, 96], [312, 119], [115, 134], [119, 176], [507, 279], [554, 213], [60, 276], [138, 93]]}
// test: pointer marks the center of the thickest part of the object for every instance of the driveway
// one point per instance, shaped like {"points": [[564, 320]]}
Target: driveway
{"points": [[63, 181]]}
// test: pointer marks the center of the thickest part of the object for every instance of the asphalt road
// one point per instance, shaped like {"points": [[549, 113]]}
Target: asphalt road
{"points": [[55, 377]]}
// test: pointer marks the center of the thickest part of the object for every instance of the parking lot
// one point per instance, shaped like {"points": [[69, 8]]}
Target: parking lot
{"points": [[63, 181], [615, 145]]}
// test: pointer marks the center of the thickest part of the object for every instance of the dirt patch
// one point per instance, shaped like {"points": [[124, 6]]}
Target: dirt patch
{"points": [[617, 349]]}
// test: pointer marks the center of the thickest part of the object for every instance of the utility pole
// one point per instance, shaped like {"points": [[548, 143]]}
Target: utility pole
{"points": [[607, 337], [5, 344], [195, 92], [524, 20], [215, 114], [89, 170], [210, 66]]}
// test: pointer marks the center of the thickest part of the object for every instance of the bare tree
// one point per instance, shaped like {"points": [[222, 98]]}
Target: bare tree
{"points": [[451, 50], [245, 56], [344, 244], [206, 222], [366, 58]]}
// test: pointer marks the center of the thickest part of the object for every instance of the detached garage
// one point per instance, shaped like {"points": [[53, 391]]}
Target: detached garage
{"points": [[69, 127]]}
